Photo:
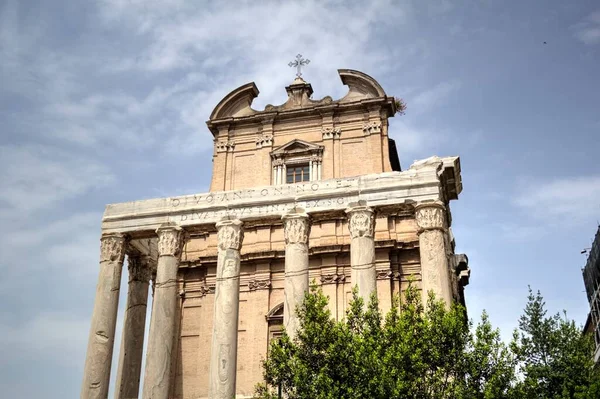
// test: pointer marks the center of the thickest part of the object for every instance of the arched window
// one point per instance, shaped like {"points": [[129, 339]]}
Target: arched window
{"points": [[275, 322]]}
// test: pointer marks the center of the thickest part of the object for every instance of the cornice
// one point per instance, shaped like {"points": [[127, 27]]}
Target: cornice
{"points": [[418, 184]]}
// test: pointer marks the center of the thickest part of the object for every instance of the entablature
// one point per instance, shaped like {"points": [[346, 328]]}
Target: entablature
{"points": [[422, 182]]}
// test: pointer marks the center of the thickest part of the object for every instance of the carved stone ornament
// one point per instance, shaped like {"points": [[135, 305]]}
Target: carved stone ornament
{"points": [[230, 234], [296, 229], [278, 162], [112, 247], [430, 216], [371, 127], [332, 278], [207, 289], [361, 221], [264, 140], [170, 240], [138, 268], [224, 146], [386, 274], [331, 133], [259, 285]]}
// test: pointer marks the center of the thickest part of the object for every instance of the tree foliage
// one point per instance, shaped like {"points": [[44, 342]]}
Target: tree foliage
{"points": [[554, 356], [423, 352]]}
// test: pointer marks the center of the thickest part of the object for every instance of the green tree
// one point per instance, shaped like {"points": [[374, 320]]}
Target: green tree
{"points": [[411, 353], [554, 356]]}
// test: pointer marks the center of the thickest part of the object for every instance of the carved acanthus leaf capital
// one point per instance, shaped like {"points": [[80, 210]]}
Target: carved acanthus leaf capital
{"points": [[316, 158], [296, 228], [112, 247], [230, 234], [361, 221], [139, 268], [170, 240], [430, 216]]}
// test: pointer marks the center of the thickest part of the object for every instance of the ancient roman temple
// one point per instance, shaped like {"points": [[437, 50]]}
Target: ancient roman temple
{"points": [[307, 191]]}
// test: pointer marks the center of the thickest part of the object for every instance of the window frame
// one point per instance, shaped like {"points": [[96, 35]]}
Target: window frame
{"points": [[303, 168]]}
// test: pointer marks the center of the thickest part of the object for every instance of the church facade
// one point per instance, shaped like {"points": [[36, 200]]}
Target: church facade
{"points": [[307, 191]]}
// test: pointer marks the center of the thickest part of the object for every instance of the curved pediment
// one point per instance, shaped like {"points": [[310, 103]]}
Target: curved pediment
{"points": [[236, 103], [360, 85], [276, 313]]}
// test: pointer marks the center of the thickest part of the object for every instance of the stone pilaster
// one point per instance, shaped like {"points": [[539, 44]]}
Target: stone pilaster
{"points": [[164, 309], [223, 357], [361, 223], [296, 230], [132, 342], [96, 373], [435, 277]]}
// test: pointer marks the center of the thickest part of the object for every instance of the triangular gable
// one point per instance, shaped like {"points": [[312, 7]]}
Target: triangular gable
{"points": [[297, 146]]}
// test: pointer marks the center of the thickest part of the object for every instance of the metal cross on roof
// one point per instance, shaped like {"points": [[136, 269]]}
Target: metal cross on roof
{"points": [[298, 63]]}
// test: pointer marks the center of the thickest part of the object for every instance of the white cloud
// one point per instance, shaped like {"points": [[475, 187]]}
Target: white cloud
{"points": [[562, 200], [182, 37], [588, 31], [431, 97], [38, 176]]}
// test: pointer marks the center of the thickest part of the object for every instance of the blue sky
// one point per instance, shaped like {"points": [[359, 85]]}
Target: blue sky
{"points": [[105, 101]]}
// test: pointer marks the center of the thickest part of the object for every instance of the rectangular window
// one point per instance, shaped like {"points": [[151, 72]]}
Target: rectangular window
{"points": [[297, 173]]}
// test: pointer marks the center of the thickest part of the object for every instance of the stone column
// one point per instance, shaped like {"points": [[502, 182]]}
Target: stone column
{"points": [[296, 230], [361, 223], [223, 356], [132, 341], [96, 373], [277, 175], [164, 309], [435, 277]]}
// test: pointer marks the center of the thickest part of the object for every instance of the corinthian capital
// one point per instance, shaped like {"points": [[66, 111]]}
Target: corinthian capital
{"points": [[112, 247], [230, 234], [296, 228], [170, 240], [430, 215], [361, 221]]}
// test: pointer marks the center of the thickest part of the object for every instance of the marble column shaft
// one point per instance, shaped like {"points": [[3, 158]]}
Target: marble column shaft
{"points": [[296, 229], [361, 223], [96, 373], [223, 356], [431, 220], [164, 312], [132, 341]]}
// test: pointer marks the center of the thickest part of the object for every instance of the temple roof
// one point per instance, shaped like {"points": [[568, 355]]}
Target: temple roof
{"points": [[361, 88]]}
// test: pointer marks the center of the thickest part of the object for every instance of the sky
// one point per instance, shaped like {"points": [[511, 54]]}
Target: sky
{"points": [[106, 101]]}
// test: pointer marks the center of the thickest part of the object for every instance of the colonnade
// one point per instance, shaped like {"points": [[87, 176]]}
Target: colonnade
{"points": [[223, 359]]}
